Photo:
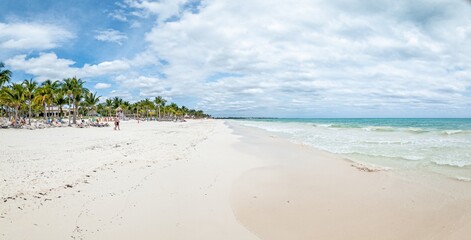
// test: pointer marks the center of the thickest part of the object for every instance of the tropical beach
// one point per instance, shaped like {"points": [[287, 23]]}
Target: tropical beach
{"points": [[244, 120], [209, 179]]}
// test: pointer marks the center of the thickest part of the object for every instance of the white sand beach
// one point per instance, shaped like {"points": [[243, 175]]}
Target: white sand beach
{"points": [[235, 120], [206, 179]]}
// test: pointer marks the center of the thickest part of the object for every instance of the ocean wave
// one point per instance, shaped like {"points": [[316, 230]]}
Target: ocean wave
{"points": [[372, 142], [455, 132], [322, 125], [381, 155], [417, 130], [342, 126], [379, 129], [352, 126], [410, 146], [458, 164], [394, 129], [463, 179]]}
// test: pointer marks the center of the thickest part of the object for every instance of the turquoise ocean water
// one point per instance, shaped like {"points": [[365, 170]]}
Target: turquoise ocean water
{"points": [[441, 146]]}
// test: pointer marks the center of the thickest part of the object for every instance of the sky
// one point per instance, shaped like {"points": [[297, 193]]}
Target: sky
{"points": [[259, 58]]}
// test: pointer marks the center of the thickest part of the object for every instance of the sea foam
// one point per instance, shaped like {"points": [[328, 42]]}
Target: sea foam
{"points": [[407, 143]]}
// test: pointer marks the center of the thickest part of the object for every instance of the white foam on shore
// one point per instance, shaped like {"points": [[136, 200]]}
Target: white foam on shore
{"points": [[381, 145], [463, 179]]}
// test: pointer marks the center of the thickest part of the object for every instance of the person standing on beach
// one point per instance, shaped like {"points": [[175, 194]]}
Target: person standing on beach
{"points": [[116, 123]]}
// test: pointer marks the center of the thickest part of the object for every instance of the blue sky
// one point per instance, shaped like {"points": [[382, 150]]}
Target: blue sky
{"points": [[308, 58]]}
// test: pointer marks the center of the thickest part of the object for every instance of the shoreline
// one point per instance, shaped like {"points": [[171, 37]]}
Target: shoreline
{"points": [[208, 179], [370, 160], [312, 192]]}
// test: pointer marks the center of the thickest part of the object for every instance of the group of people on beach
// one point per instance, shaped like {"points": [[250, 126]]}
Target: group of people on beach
{"points": [[100, 122], [22, 122]]}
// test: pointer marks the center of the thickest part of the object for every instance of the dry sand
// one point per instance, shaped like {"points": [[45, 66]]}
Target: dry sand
{"points": [[148, 181], [200, 180]]}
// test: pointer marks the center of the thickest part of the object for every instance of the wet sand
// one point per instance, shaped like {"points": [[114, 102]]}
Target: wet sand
{"points": [[310, 194]]}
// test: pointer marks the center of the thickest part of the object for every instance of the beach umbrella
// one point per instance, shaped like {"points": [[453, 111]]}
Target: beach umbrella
{"points": [[92, 113]]}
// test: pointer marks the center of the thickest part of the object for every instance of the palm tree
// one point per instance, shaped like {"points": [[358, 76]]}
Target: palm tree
{"points": [[147, 104], [67, 87], [117, 101], [108, 106], [184, 111], [200, 114], [173, 108], [60, 100], [44, 96], [14, 96], [77, 100], [160, 103], [100, 108], [126, 106], [74, 90], [5, 75], [91, 100], [135, 109], [3, 100], [54, 87], [30, 87]]}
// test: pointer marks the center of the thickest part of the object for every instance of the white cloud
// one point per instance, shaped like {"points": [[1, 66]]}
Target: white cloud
{"points": [[149, 86], [26, 36], [126, 95], [111, 35], [102, 85], [308, 56], [118, 15], [104, 68], [49, 66], [164, 9], [136, 24], [325, 54]]}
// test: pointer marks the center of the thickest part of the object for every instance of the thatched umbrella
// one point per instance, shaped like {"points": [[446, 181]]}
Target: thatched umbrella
{"points": [[92, 113]]}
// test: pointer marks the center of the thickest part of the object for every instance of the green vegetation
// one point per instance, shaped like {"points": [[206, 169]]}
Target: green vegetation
{"points": [[29, 98]]}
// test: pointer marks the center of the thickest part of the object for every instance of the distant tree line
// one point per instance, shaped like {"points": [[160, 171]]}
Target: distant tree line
{"points": [[33, 99]]}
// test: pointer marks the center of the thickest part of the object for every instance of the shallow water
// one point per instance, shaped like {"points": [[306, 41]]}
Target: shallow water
{"points": [[438, 145]]}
